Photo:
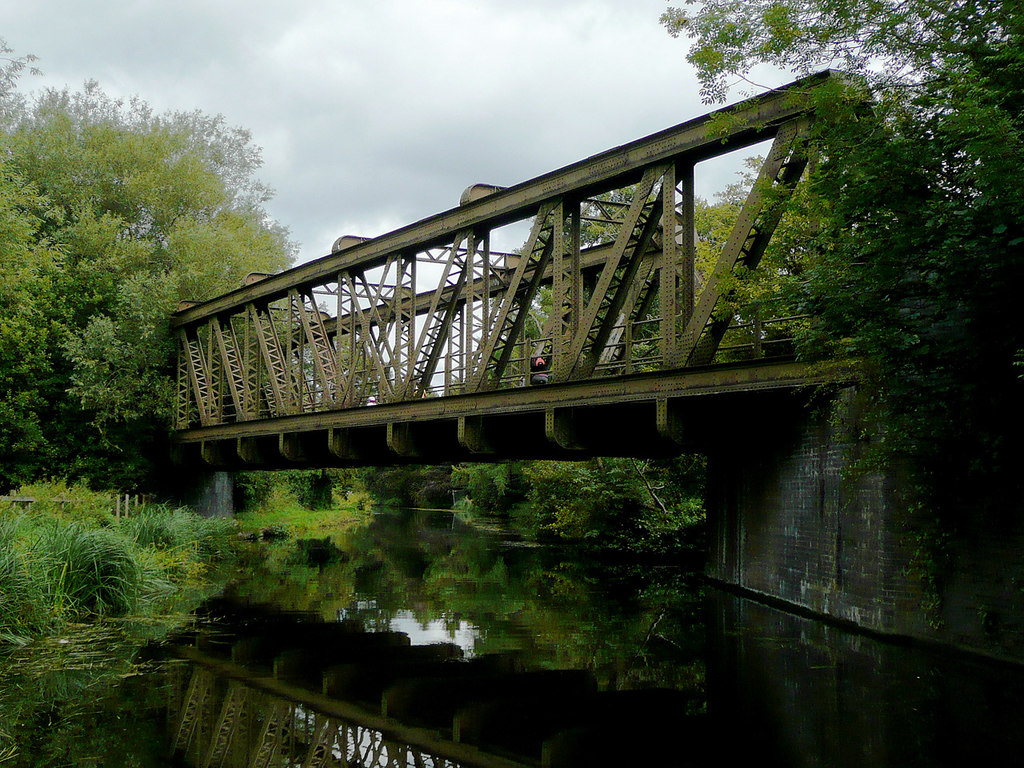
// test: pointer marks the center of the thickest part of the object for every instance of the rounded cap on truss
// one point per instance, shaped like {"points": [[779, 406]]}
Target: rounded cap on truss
{"points": [[476, 191], [347, 241], [255, 277]]}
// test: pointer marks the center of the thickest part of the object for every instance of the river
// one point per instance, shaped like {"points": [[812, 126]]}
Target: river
{"points": [[425, 641]]}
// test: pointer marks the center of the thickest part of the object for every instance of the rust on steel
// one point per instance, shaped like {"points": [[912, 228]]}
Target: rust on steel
{"points": [[431, 321]]}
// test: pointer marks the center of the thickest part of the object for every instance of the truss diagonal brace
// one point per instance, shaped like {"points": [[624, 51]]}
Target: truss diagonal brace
{"points": [[600, 298], [749, 237]]}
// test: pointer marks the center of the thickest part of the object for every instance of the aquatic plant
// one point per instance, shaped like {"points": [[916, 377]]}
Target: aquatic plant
{"points": [[174, 528], [21, 597]]}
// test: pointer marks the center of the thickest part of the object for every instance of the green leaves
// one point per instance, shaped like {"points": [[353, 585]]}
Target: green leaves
{"points": [[110, 215], [904, 241]]}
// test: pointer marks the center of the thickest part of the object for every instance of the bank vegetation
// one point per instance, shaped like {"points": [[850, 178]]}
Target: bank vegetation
{"points": [[65, 562]]}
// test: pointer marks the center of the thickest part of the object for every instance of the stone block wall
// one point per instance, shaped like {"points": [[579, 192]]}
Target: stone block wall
{"points": [[791, 520]]}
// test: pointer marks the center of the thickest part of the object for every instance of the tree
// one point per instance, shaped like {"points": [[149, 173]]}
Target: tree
{"points": [[109, 216], [915, 254], [23, 331]]}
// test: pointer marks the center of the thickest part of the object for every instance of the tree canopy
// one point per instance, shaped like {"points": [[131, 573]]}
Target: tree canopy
{"points": [[109, 216], [915, 257]]}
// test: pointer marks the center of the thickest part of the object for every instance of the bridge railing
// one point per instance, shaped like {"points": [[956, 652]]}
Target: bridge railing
{"points": [[603, 285]]}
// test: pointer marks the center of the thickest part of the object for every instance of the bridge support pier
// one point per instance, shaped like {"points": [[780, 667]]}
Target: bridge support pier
{"points": [[791, 522], [210, 494]]}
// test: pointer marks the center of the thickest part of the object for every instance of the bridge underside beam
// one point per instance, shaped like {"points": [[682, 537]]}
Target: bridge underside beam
{"points": [[642, 415]]}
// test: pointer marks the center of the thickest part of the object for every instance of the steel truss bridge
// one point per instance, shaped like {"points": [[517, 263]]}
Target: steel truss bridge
{"points": [[434, 327]]}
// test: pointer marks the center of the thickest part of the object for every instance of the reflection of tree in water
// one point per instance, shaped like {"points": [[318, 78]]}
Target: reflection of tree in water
{"points": [[633, 625]]}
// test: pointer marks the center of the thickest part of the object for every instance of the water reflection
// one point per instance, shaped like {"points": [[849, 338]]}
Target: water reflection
{"points": [[489, 653], [218, 722], [458, 631], [427, 574], [798, 693], [280, 689]]}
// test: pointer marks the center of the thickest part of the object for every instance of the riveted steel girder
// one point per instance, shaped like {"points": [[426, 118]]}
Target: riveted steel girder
{"points": [[432, 312]]}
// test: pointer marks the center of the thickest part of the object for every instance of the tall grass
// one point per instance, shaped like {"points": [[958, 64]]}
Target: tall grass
{"points": [[55, 569], [164, 528], [88, 572], [21, 595]]}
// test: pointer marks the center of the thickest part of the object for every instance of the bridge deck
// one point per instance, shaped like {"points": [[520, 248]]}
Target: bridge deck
{"points": [[650, 414]]}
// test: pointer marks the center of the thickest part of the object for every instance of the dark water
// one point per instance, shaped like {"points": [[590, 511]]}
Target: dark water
{"points": [[542, 658]]}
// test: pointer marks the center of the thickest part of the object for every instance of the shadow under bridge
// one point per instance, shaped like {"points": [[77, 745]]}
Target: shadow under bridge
{"points": [[600, 335]]}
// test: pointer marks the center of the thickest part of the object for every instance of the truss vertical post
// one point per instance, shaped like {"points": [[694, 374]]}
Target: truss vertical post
{"points": [[561, 285], [485, 269], [574, 284], [183, 400], [686, 274], [676, 262]]}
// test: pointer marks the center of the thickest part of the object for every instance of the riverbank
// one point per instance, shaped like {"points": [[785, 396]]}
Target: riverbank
{"points": [[65, 563]]}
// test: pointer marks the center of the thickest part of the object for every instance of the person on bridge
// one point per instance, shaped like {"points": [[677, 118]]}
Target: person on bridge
{"points": [[539, 371]]}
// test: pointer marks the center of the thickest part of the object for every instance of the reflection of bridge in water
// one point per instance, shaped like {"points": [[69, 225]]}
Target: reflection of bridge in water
{"points": [[436, 328], [288, 692]]}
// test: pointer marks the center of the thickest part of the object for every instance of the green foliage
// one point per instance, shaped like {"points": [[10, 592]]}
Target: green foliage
{"points": [[287, 519], [905, 243], [313, 489], [625, 504], [22, 603], [427, 487], [493, 488], [88, 572], [308, 489], [57, 566], [576, 501], [67, 501], [253, 489], [167, 528], [109, 216]]}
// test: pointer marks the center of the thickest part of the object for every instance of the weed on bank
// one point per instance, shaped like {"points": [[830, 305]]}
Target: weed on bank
{"points": [[63, 562]]}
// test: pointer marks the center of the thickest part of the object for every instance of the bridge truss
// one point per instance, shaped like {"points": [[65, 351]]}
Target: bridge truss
{"points": [[604, 288]]}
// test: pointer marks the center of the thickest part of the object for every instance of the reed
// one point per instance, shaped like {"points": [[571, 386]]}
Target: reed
{"points": [[55, 569], [168, 528], [22, 601], [87, 572]]}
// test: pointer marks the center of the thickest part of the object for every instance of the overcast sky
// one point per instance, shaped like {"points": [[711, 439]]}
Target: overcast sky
{"points": [[373, 114]]}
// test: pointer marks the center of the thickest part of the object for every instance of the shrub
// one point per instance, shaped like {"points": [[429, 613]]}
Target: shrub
{"points": [[56, 498], [253, 489], [87, 571], [414, 486]]}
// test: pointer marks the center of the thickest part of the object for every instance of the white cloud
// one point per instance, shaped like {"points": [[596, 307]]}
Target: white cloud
{"points": [[374, 115]]}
